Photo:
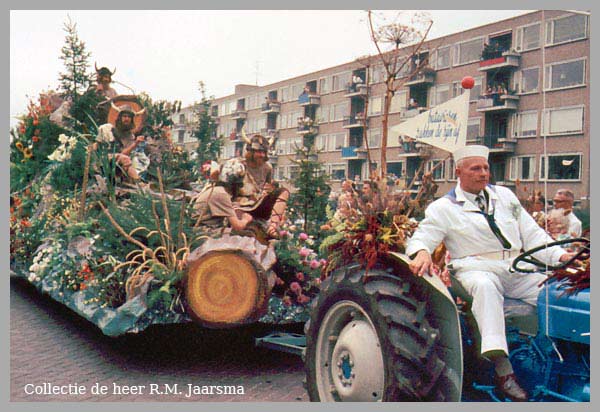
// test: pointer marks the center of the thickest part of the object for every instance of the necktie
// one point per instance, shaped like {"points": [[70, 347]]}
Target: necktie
{"points": [[492, 223], [480, 203]]}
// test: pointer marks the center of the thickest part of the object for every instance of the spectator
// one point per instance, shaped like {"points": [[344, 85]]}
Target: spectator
{"points": [[564, 199]]}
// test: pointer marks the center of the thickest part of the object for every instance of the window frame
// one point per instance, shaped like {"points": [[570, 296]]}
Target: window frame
{"points": [[546, 120], [544, 161], [548, 74], [549, 30], [519, 37], [456, 52], [517, 124], [516, 159]]}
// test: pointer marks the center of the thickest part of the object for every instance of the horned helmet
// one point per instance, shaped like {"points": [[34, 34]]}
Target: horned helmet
{"points": [[258, 143], [104, 71]]}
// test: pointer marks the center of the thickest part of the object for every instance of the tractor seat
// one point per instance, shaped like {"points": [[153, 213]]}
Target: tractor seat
{"points": [[517, 313]]}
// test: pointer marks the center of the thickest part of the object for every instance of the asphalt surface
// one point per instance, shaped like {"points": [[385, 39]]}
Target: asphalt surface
{"points": [[55, 355]]}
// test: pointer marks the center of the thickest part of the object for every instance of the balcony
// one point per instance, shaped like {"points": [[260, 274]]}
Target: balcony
{"points": [[356, 90], [497, 143], [414, 149], [307, 129], [353, 153], [408, 113], [355, 121], [423, 77], [270, 107], [497, 102], [309, 99], [508, 59], [269, 133], [239, 114]]}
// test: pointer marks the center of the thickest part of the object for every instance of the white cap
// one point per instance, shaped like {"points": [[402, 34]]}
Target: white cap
{"points": [[471, 151]]}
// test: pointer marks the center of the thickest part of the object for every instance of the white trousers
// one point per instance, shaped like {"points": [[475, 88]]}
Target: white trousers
{"points": [[488, 282]]}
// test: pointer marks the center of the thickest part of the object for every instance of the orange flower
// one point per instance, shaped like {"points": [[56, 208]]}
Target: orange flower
{"points": [[82, 286], [35, 139], [25, 223]]}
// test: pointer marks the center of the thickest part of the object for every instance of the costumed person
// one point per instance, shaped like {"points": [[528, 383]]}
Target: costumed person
{"points": [[123, 145], [213, 207], [104, 79], [484, 227], [259, 195], [563, 199]]}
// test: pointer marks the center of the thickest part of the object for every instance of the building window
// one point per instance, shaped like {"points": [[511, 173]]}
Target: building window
{"points": [[337, 141], [436, 168], [377, 74], [526, 124], [374, 138], [442, 59], [396, 169], [561, 167], [440, 94], [468, 52], [338, 111], [528, 37], [284, 92], [294, 172], [337, 171], [322, 114], [473, 129], [451, 168], [529, 80], [476, 90], [563, 120], [566, 74], [324, 86], [398, 101], [568, 28], [375, 105], [522, 168], [340, 80], [180, 136]]}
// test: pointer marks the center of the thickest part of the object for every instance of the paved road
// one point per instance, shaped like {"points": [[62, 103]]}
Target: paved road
{"points": [[52, 345]]}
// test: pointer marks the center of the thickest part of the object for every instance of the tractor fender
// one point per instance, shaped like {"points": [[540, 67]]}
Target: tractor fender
{"points": [[446, 316]]}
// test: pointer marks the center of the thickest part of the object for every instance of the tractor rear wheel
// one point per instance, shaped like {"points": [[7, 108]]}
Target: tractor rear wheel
{"points": [[369, 339]]}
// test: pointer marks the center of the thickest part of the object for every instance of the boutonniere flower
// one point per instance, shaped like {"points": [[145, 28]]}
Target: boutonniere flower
{"points": [[515, 209]]}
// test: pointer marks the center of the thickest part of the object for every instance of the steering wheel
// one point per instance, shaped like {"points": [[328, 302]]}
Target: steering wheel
{"points": [[528, 258]]}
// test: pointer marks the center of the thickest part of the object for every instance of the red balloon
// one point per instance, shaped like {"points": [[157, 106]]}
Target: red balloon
{"points": [[468, 82]]}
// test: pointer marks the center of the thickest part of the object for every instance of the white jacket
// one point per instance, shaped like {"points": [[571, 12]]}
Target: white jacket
{"points": [[457, 222]]}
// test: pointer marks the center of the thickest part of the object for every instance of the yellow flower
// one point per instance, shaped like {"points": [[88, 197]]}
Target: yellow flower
{"points": [[28, 153], [19, 146]]}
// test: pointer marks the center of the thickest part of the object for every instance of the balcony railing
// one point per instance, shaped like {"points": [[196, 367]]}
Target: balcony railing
{"points": [[413, 148], [497, 143], [504, 59], [307, 99], [422, 77], [308, 129], [270, 107], [356, 89], [353, 152], [239, 114], [353, 121], [497, 102]]}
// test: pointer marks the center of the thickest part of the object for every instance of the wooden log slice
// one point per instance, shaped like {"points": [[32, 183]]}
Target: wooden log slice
{"points": [[226, 289]]}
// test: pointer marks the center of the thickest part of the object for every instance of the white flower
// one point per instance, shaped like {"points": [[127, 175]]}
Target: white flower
{"points": [[63, 138], [31, 277]]}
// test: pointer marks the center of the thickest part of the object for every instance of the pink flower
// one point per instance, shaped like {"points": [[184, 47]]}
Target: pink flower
{"points": [[302, 236], [283, 233], [302, 299], [287, 301], [304, 252], [323, 262], [295, 287], [300, 276], [314, 264], [317, 281]]}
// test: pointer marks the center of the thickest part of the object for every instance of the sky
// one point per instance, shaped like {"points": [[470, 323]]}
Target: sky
{"points": [[167, 53]]}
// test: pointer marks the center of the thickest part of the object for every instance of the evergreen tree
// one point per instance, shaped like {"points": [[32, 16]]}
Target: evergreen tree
{"points": [[76, 80], [309, 201], [209, 145]]}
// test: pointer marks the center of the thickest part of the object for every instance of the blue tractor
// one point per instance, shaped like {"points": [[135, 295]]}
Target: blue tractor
{"points": [[387, 335]]}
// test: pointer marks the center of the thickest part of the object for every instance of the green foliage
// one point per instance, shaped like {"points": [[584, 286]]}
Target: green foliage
{"points": [[309, 201], [69, 174], [176, 167], [75, 80], [209, 145], [84, 114]]}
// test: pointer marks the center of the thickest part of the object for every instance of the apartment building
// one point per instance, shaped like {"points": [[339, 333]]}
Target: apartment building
{"points": [[531, 97]]}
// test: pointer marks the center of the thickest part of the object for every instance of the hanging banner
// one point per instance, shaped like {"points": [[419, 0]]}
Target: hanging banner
{"points": [[444, 126]]}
